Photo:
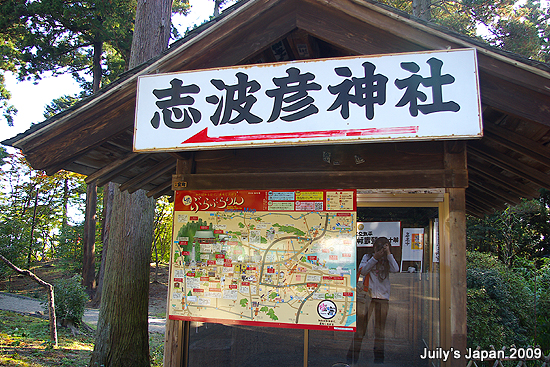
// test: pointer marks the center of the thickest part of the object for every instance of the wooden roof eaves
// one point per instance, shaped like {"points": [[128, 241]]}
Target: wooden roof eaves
{"points": [[519, 144], [126, 80], [153, 66], [458, 40], [496, 178], [509, 164]]}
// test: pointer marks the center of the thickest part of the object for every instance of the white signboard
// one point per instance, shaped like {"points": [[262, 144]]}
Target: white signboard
{"points": [[421, 96], [436, 242], [413, 244], [368, 232]]}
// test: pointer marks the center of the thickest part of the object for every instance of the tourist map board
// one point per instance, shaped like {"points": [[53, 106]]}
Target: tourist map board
{"points": [[265, 258]]}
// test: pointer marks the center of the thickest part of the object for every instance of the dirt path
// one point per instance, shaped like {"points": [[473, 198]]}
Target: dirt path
{"points": [[16, 289], [31, 306]]}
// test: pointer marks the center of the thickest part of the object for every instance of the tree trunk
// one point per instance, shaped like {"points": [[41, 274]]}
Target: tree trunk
{"points": [[64, 219], [421, 9], [217, 5], [97, 71], [88, 253], [152, 30], [122, 338], [33, 224], [108, 194]]}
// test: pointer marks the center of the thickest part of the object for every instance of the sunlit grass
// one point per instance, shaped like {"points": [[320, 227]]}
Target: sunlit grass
{"points": [[25, 341]]}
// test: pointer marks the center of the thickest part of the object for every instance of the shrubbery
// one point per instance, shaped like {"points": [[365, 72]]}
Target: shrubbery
{"points": [[502, 304], [543, 309], [70, 300]]}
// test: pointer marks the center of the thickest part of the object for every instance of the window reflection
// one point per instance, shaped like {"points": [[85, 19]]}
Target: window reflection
{"points": [[411, 323]]}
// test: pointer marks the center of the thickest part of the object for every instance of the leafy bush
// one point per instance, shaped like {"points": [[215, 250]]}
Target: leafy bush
{"points": [[500, 304], [483, 327], [543, 309], [70, 300]]}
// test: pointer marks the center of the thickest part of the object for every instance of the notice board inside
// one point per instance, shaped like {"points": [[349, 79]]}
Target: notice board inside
{"points": [[266, 258]]}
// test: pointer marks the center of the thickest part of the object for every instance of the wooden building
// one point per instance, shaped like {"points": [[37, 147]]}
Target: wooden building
{"points": [[455, 177]]}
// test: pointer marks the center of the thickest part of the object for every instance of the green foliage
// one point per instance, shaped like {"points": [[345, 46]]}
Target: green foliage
{"points": [[13, 239], [518, 232], [34, 210], [500, 304], [520, 27], [24, 341], [69, 249], [60, 36], [58, 105], [484, 328], [6, 109], [70, 300], [156, 346], [181, 7], [542, 288], [162, 230]]}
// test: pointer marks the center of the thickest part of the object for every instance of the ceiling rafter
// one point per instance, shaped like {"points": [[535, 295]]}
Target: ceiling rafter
{"points": [[499, 179], [509, 164], [518, 143], [152, 174]]}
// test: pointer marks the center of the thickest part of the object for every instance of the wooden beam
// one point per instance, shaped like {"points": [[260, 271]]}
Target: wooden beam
{"points": [[528, 76], [429, 38], [363, 13], [356, 28], [166, 191], [151, 174], [160, 188], [485, 200], [509, 164], [235, 38], [78, 135], [496, 192], [476, 207], [176, 342], [457, 233], [455, 160], [102, 180], [517, 143], [434, 178], [497, 178], [111, 167], [514, 99]]}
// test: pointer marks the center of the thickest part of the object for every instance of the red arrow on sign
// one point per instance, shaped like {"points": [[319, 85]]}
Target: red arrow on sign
{"points": [[202, 136]]}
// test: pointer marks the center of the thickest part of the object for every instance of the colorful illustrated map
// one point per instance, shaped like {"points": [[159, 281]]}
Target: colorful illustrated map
{"points": [[269, 258]]}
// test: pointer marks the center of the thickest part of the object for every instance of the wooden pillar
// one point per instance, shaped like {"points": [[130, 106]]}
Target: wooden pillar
{"points": [[455, 158], [457, 222], [176, 336]]}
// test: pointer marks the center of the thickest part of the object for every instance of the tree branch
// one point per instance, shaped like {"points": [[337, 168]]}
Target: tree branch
{"points": [[49, 287]]}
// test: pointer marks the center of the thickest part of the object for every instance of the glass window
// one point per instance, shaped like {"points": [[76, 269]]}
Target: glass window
{"points": [[396, 329]]}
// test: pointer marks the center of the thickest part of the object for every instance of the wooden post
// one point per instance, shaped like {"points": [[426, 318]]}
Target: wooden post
{"points": [[455, 158], [457, 221], [176, 336], [306, 347]]}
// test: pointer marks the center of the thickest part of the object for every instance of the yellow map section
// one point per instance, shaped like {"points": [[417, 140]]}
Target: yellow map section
{"points": [[290, 268]]}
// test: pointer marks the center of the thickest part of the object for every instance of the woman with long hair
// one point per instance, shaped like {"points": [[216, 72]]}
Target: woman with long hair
{"points": [[375, 268]]}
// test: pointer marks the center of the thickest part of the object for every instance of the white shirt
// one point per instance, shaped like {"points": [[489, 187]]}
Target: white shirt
{"points": [[379, 288]]}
